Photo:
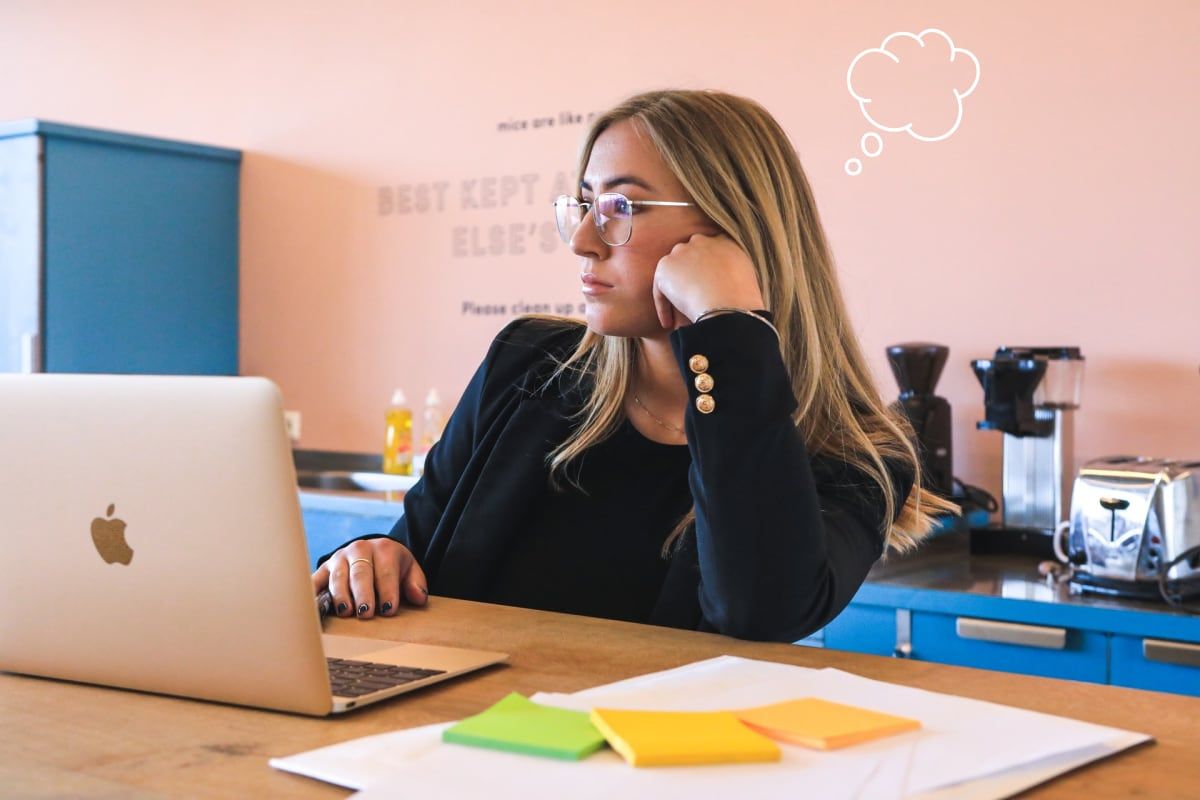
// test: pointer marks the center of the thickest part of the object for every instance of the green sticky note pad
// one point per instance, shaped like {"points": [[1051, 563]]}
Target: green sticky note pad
{"points": [[518, 725]]}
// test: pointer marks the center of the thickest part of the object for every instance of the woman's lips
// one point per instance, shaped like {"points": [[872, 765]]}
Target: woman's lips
{"points": [[593, 285]]}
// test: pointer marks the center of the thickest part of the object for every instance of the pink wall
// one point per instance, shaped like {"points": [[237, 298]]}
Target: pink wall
{"points": [[1063, 209]]}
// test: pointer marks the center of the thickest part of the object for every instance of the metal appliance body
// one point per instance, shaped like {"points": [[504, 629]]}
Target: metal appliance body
{"points": [[1036, 481], [1131, 516]]}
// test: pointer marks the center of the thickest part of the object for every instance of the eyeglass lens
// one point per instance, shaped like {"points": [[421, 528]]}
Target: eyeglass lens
{"points": [[612, 212]]}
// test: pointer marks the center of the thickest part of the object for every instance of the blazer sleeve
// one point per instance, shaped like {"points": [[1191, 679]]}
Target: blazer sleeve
{"points": [[783, 540], [514, 351]]}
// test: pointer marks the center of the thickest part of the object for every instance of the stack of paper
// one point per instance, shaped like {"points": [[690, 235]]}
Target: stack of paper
{"points": [[964, 748], [661, 738], [520, 726]]}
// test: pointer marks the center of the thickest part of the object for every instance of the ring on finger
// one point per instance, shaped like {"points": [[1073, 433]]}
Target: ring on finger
{"points": [[366, 561]]}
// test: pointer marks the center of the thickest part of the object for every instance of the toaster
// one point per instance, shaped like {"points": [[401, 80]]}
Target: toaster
{"points": [[1133, 521]]}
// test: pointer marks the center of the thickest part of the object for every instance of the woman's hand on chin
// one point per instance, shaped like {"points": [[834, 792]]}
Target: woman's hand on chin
{"points": [[703, 273]]}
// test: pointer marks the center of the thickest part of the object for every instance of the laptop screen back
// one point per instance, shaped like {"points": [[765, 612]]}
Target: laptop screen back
{"points": [[153, 539]]}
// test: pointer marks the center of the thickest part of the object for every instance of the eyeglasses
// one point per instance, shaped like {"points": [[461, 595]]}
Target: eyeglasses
{"points": [[611, 211]]}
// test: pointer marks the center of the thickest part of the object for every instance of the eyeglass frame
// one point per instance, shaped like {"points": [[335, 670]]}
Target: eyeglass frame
{"points": [[589, 205]]}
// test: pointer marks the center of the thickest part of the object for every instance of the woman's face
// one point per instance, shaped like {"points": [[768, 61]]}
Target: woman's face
{"points": [[616, 281]]}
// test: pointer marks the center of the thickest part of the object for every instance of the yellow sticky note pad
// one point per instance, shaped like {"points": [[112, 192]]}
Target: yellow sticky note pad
{"points": [[661, 738], [823, 724]]}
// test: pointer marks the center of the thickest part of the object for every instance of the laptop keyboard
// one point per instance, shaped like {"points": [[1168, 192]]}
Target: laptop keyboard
{"points": [[355, 678]]}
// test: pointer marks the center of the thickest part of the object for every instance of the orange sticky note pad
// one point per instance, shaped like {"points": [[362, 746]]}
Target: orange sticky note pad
{"points": [[822, 724], [660, 738]]}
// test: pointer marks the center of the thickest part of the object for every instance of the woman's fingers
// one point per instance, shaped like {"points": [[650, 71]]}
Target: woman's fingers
{"points": [[369, 577], [361, 566], [320, 578], [703, 273], [663, 307], [389, 566], [339, 584], [416, 588]]}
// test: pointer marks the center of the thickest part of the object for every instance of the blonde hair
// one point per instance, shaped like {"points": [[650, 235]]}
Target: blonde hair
{"points": [[737, 164]]}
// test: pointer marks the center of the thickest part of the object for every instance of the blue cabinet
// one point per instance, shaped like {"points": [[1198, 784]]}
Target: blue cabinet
{"points": [[1050, 651], [1163, 665], [1098, 640], [331, 520], [864, 629], [945, 604], [119, 253]]}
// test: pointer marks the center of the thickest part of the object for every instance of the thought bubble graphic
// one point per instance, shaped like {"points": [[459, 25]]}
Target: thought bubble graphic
{"points": [[912, 83]]}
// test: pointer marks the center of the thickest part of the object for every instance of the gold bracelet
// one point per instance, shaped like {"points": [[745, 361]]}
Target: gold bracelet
{"points": [[716, 312]]}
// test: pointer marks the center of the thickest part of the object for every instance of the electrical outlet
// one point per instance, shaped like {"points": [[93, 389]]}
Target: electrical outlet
{"points": [[291, 421]]}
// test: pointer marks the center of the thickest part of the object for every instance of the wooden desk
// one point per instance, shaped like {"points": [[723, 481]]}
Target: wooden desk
{"points": [[72, 740]]}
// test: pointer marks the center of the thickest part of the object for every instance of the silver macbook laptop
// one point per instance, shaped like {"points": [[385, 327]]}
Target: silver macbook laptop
{"points": [[152, 538]]}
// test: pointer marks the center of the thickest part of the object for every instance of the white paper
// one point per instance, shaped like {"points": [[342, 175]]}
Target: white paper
{"points": [[998, 748], [359, 762], [961, 739]]}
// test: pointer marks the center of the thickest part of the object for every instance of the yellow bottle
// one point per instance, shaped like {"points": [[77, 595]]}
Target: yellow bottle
{"points": [[398, 445]]}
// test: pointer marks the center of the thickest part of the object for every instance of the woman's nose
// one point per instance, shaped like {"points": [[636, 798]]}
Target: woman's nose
{"points": [[586, 241]]}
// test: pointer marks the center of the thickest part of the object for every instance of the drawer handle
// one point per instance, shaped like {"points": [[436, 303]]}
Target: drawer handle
{"points": [[1012, 633], [1165, 652]]}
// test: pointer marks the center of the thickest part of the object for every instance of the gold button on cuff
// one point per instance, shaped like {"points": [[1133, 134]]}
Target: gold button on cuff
{"points": [[704, 382], [705, 404], [698, 364]]}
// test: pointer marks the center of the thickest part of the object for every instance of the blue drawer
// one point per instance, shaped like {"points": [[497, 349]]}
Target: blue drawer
{"points": [[1162, 665], [1049, 651], [863, 629]]}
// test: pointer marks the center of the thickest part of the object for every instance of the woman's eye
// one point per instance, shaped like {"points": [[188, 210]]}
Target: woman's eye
{"points": [[619, 206]]}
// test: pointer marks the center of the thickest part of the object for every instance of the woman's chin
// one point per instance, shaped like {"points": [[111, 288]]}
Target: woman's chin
{"points": [[604, 321]]}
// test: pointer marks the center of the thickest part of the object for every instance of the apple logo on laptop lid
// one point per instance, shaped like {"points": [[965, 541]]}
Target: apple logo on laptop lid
{"points": [[109, 537]]}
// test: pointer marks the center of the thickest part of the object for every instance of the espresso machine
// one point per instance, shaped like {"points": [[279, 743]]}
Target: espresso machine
{"points": [[1030, 395], [917, 367]]}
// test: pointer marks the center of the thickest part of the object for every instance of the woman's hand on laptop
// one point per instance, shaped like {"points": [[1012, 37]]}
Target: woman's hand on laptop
{"points": [[367, 577]]}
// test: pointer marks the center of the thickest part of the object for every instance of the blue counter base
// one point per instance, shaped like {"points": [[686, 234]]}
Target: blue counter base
{"points": [[330, 520], [917, 606]]}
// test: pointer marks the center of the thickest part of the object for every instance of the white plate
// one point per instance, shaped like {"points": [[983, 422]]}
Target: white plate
{"points": [[382, 482]]}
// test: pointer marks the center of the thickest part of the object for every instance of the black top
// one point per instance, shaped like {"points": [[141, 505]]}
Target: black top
{"points": [[782, 541], [596, 548]]}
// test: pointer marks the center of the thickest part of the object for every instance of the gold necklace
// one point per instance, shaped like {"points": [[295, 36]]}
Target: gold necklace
{"points": [[655, 417]]}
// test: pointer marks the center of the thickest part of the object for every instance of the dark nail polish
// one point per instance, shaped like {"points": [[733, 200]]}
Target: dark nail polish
{"points": [[341, 608], [363, 608], [386, 607]]}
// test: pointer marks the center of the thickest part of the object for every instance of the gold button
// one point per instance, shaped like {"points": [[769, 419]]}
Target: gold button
{"points": [[698, 364], [704, 382], [705, 404]]}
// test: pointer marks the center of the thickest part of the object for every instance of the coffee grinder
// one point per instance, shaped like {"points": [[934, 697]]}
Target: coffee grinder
{"points": [[1030, 394], [917, 367]]}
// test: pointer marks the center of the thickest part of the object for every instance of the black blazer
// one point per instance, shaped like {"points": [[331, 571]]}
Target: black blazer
{"points": [[781, 543]]}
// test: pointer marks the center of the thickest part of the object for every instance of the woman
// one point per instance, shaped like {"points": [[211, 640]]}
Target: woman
{"points": [[709, 451]]}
